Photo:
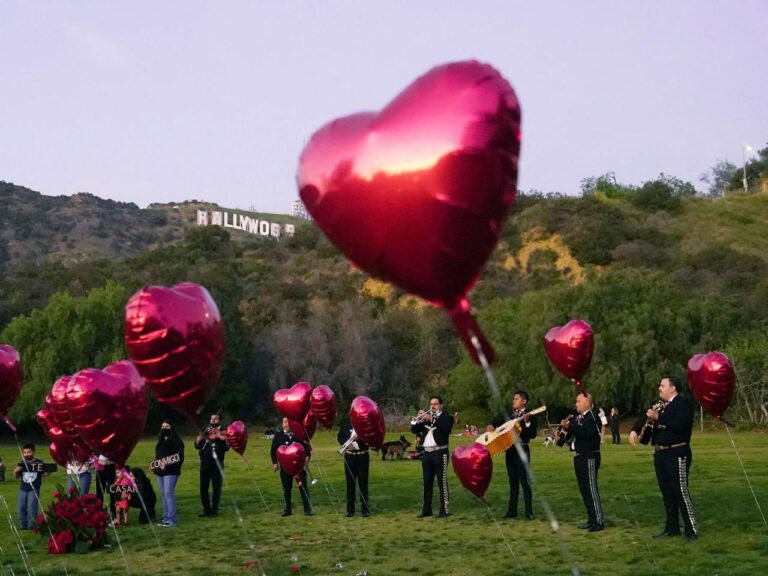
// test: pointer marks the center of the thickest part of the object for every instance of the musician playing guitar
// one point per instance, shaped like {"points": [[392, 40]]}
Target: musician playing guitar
{"points": [[517, 469]]}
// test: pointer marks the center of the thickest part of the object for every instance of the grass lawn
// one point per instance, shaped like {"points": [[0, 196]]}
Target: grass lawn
{"points": [[734, 539]]}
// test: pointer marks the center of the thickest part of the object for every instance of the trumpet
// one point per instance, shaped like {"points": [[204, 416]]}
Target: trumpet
{"points": [[419, 418], [352, 438]]}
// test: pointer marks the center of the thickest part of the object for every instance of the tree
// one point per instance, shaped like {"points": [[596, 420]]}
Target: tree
{"points": [[719, 178]]}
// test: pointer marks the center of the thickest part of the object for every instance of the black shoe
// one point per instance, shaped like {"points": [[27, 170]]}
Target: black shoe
{"points": [[213, 513], [424, 515], [529, 516], [203, 514], [308, 513], [443, 515], [691, 537], [664, 533], [286, 513], [365, 513], [595, 528], [349, 514], [585, 526]]}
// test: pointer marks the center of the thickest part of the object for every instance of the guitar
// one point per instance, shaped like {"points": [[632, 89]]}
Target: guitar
{"points": [[646, 432], [504, 437]]}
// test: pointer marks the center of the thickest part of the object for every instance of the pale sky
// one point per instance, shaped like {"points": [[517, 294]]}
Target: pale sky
{"points": [[172, 100]]}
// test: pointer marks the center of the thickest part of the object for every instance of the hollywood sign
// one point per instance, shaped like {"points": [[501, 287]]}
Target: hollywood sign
{"points": [[244, 223]]}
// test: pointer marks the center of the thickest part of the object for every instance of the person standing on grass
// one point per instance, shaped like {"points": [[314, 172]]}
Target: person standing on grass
{"points": [[169, 456], [286, 437], [583, 435], [212, 445], [671, 437], [434, 426], [615, 421], [517, 470], [30, 471], [356, 467]]}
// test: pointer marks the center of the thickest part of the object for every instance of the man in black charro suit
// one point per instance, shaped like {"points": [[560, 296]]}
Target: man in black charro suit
{"points": [[584, 438], [517, 470], [671, 437], [436, 426], [356, 467]]}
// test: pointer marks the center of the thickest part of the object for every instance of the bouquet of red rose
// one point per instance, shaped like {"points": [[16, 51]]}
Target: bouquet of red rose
{"points": [[73, 522]]}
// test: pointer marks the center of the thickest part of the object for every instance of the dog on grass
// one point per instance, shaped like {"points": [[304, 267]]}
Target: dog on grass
{"points": [[394, 449]]}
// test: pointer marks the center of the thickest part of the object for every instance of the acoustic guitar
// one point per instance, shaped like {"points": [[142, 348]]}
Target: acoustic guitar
{"points": [[504, 437]]}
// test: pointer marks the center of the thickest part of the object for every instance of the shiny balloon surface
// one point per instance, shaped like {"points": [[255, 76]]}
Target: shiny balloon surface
{"points": [[417, 193], [11, 377], [175, 337], [368, 421], [712, 381], [323, 402], [237, 436], [291, 458], [473, 466], [569, 349], [305, 429], [293, 402]]}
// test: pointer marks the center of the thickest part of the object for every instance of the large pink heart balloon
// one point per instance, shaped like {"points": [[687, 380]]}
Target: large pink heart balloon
{"points": [[305, 429], [712, 381], [59, 405], [175, 337], [293, 402], [323, 402], [473, 466], [11, 379], [109, 408], [416, 194], [368, 421], [64, 447], [291, 458], [237, 437], [569, 349]]}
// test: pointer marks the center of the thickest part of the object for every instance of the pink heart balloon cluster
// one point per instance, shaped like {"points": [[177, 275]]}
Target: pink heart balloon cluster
{"points": [[175, 337], [11, 380], [417, 193], [712, 381], [473, 466], [305, 407], [569, 349]]}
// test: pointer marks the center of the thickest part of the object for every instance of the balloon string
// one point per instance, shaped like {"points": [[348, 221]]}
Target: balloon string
{"points": [[20, 543], [504, 538], [749, 483], [553, 522], [647, 548]]}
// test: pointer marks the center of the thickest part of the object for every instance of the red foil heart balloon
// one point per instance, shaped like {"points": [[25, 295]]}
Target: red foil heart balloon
{"points": [[368, 421], [237, 437], [67, 447], [293, 402], [712, 381], [11, 380], [416, 194], [175, 337], [323, 402], [291, 458], [59, 405], [473, 466], [569, 349], [109, 408], [305, 429]]}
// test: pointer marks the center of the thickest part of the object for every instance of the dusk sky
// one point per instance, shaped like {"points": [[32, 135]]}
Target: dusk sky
{"points": [[148, 101]]}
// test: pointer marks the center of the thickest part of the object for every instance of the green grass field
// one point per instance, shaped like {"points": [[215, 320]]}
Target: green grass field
{"points": [[734, 538]]}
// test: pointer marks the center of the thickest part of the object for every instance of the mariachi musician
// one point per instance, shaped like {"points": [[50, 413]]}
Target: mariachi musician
{"points": [[435, 426], [671, 424], [211, 443], [356, 467], [285, 437], [517, 470]]}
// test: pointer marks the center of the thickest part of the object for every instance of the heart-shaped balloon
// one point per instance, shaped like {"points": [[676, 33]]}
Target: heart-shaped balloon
{"points": [[237, 437], [473, 466], [323, 402], [305, 429], [45, 419], [417, 194], [59, 405], [569, 349], [109, 408], [11, 380], [293, 402], [712, 381], [175, 337], [291, 458], [67, 447], [368, 421]]}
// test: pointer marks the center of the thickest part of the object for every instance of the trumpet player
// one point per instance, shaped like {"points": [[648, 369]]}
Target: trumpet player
{"points": [[356, 467], [211, 443], [434, 426]]}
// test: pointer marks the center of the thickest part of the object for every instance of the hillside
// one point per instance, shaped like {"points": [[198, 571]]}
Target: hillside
{"points": [[35, 227]]}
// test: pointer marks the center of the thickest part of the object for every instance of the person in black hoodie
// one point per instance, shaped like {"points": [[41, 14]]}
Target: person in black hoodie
{"points": [[211, 443], [169, 456], [356, 467], [283, 438], [584, 437], [435, 426], [517, 470], [143, 497]]}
